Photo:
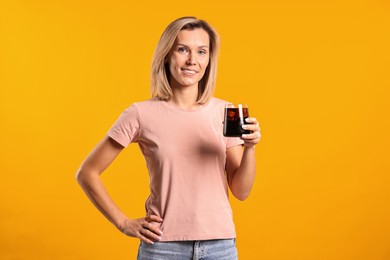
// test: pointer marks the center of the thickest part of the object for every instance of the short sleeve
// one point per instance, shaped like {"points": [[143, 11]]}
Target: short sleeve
{"points": [[233, 141], [125, 129]]}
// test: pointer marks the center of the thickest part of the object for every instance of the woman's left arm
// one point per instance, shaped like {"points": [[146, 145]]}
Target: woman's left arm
{"points": [[241, 163]]}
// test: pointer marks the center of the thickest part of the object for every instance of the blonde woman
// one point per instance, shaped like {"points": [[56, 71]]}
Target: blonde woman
{"points": [[191, 164]]}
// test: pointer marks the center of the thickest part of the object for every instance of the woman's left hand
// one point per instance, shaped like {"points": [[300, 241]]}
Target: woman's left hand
{"points": [[253, 138]]}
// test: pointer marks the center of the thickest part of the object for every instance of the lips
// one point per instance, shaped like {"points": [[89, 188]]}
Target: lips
{"points": [[189, 71]]}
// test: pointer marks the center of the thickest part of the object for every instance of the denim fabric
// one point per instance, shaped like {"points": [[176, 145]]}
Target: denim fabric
{"points": [[221, 249]]}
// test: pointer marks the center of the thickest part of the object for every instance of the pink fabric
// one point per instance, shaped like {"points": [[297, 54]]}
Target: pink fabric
{"points": [[185, 153]]}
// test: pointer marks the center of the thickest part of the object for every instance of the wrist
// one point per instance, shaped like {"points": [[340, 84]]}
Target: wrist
{"points": [[120, 222], [249, 146]]}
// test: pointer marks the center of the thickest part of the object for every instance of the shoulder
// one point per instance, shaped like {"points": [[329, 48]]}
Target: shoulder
{"points": [[150, 103], [135, 108], [216, 107], [145, 105], [146, 110], [217, 102]]}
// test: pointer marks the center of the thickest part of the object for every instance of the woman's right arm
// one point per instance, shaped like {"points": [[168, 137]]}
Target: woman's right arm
{"points": [[88, 176]]}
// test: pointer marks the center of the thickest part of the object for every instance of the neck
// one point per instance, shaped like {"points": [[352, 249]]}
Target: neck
{"points": [[185, 98]]}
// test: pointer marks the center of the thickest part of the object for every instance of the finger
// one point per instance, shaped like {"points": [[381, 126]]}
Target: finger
{"points": [[154, 218], [150, 234], [251, 137], [251, 120], [253, 128], [152, 227], [152, 224], [146, 240]]}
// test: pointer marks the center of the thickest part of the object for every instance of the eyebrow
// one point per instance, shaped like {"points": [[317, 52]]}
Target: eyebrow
{"points": [[202, 46]]}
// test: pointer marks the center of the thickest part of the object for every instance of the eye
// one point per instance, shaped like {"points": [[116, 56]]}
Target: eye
{"points": [[202, 52], [182, 50]]}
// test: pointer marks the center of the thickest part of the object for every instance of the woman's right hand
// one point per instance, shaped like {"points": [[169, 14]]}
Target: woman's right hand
{"points": [[147, 229]]}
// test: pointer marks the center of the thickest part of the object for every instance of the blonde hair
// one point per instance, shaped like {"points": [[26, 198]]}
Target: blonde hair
{"points": [[160, 86]]}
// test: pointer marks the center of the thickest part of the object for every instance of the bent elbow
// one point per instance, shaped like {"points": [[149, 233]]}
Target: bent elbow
{"points": [[241, 195], [80, 176], [77, 176]]}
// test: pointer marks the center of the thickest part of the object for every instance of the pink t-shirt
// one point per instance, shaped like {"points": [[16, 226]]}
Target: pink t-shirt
{"points": [[185, 153]]}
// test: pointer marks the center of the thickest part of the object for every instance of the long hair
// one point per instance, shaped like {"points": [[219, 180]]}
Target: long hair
{"points": [[160, 73]]}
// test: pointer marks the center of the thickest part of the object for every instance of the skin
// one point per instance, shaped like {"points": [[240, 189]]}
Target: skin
{"points": [[187, 61]]}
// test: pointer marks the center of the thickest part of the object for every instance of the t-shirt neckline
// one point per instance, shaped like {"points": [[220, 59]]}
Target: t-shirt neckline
{"points": [[198, 109]]}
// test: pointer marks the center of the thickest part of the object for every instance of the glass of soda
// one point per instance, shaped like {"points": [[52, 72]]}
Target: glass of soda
{"points": [[235, 115]]}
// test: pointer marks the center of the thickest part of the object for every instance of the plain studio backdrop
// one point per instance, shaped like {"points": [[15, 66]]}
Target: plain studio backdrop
{"points": [[314, 73]]}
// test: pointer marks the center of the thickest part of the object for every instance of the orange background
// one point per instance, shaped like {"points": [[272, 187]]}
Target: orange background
{"points": [[316, 75]]}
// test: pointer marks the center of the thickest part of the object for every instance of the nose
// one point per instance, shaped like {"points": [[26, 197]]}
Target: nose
{"points": [[191, 59]]}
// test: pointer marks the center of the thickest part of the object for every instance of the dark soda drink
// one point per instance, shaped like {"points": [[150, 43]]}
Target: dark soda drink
{"points": [[235, 116]]}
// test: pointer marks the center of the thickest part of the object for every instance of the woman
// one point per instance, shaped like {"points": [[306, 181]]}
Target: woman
{"points": [[179, 131]]}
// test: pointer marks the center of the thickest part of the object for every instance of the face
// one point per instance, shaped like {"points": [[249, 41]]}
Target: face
{"points": [[188, 58]]}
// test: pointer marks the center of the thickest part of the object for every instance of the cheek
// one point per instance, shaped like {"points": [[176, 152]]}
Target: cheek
{"points": [[205, 63], [204, 67], [173, 65]]}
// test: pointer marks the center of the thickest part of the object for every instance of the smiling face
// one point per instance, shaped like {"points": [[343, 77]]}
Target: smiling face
{"points": [[188, 58]]}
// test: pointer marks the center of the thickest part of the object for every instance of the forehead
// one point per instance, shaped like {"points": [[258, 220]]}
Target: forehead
{"points": [[196, 37]]}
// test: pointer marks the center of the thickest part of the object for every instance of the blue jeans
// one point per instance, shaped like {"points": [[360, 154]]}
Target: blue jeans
{"points": [[220, 249]]}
